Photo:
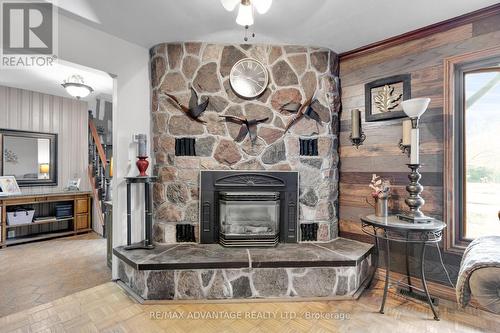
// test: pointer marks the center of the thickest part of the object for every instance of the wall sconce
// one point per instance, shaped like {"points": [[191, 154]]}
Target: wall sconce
{"points": [[357, 136], [405, 142]]}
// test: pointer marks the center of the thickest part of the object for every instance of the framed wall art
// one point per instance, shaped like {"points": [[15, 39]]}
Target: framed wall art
{"points": [[383, 97], [8, 186]]}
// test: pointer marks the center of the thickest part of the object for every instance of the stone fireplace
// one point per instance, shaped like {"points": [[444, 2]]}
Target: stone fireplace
{"points": [[280, 190], [248, 208], [308, 148]]}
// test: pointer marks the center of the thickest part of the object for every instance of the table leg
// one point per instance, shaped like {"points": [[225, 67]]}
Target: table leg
{"points": [[424, 282], [387, 273], [375, 255], [410, 289], [148, 215], [129, 215]]}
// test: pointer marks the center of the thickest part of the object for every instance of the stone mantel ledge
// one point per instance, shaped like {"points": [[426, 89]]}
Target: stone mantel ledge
{"points": [[339, 252]]}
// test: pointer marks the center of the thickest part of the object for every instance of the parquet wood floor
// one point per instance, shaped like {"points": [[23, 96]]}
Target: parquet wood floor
{"points": [[41, 272], [107, 308]]}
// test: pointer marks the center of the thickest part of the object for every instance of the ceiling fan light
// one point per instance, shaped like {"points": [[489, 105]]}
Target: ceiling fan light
{"points": [[229, 5], [245, 15], [262, 6]]}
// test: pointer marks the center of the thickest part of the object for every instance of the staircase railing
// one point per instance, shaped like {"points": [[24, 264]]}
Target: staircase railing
{"points": [[98, 172]]}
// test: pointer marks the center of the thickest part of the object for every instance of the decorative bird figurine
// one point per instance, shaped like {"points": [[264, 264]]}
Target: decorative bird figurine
{"points": [[306, 109], [194, 110], [247, 126]]}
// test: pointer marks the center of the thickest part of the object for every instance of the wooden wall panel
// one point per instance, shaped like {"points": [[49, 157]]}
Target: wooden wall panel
{"points": [[453, 35], [32, 111], [423, 59]]}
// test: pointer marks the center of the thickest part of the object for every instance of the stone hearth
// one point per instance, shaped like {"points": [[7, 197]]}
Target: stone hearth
{"points": [[337, 269], [296, 73]]}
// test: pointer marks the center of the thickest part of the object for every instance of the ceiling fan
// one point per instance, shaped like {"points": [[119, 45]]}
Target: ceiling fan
{"points": [[245, 9]]}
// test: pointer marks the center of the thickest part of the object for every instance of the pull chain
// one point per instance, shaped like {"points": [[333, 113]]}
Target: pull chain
{"points": [[246, 34]]}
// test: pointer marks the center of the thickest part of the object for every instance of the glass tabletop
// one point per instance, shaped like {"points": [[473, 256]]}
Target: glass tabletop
{"points": [[394, 223]]}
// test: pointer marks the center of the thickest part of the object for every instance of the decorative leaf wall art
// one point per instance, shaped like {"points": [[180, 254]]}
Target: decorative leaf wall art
{"points": [[383, 97], [194, 110], [386, 99]]}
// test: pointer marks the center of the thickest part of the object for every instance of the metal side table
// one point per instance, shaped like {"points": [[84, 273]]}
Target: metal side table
{"points": [[147, 243], [391, 228]]}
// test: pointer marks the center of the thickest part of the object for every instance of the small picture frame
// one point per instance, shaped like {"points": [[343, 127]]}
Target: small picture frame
{"points": [[8, 186], [383, 97], [73, 184]]}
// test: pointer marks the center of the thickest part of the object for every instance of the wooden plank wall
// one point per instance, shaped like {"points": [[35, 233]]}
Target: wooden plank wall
{"points": [[32, 111], [423, 59]]}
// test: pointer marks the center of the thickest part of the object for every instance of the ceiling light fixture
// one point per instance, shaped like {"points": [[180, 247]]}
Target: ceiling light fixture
{"points": [[245, 14], [245, 9], [76, 87]]}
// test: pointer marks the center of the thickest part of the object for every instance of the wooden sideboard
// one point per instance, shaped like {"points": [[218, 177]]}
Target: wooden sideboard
{"points": [[44, 205]]}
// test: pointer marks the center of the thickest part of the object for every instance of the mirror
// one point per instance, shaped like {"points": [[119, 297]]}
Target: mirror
{"points": [[30, 157]]}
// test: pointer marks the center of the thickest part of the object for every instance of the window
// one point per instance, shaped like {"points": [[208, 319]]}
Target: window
{"points": [[472, 147], [481, 153]]}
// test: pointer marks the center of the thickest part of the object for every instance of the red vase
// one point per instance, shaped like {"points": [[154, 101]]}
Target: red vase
{"points": [[142, 164]]}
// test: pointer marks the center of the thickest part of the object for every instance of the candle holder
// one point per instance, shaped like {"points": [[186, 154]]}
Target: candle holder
{"points": [[142, 162], [357, 141], [405, 149], [414, 201]]}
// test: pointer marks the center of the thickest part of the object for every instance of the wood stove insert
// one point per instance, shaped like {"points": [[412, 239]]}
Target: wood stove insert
{"points": [[249, 218], [248, 208]]}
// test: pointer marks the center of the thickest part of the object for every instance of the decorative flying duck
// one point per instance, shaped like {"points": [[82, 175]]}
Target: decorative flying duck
{"points": [[194, 110], [247, 126], [306, 109]]}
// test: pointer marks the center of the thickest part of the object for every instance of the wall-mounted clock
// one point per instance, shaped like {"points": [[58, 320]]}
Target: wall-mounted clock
{"points": [[248, 78]]}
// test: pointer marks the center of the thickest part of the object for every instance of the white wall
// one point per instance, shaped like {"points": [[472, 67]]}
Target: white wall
{"points": [[33, 111], [86, 46]]}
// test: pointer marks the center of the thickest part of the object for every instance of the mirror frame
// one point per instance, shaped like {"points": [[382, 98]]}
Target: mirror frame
{"points": [[53, 174]]}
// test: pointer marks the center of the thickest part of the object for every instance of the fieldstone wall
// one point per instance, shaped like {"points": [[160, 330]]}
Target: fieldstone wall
{"points": [[295, 72], [245, 283]]}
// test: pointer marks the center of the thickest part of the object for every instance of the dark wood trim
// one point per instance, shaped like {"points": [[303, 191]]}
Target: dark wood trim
{"points": [[452, 109], [358, 237], [461, 139], [422, 32]]}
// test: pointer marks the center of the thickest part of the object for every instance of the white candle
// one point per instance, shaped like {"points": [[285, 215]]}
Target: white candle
{"points": [[355, 123], [406, 132], [414, 159]]}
